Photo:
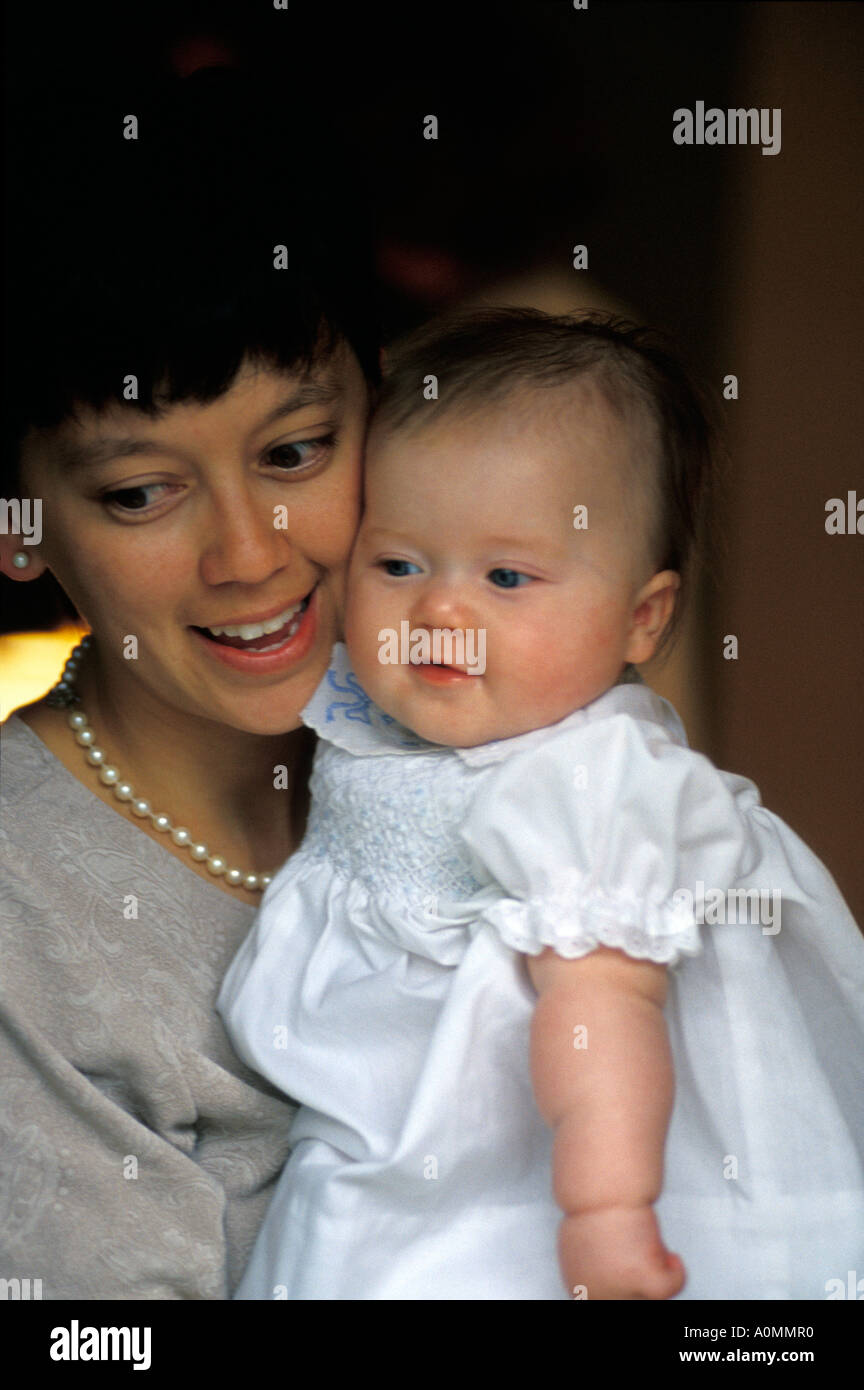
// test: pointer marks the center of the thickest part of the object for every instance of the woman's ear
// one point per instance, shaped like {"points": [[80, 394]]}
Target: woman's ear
{"points": [[18, 560], [652, 613]]}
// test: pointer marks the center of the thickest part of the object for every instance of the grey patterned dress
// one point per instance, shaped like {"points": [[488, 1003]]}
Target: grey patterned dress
{"points": [[137, 1153]]}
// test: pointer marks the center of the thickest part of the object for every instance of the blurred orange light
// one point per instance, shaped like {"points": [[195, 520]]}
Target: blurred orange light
{"points": [[31, 662]]}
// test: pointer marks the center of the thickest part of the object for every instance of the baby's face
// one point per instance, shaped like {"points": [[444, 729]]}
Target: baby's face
{"points": [[469, 527]]}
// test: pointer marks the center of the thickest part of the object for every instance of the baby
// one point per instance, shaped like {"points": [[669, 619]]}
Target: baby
{"points": [[495, 975]]}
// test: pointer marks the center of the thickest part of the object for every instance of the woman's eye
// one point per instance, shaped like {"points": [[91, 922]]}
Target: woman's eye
{"points": [[133, 499], [301, 454], [398, 569], [509, 579]]}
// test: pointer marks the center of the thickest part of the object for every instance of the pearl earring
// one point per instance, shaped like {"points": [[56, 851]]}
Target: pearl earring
{"points": [[20, 559]]}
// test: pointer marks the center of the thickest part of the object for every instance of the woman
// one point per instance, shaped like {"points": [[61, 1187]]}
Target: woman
{"points": [[191, 420]]}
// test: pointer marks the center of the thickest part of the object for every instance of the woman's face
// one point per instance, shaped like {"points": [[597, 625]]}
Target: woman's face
{"points": [[234, 514]]}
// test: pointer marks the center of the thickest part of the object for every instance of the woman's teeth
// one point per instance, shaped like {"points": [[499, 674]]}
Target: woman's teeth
{"points": [[239, 634], [248, 630]]}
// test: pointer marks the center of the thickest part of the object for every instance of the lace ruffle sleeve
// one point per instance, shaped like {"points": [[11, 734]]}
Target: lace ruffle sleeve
{"points": [[598, 837]]}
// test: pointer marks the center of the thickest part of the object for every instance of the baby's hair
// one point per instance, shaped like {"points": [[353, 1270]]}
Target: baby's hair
{"points": [[481, 357]]}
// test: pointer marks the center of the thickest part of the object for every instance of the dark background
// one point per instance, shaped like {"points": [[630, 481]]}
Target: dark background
{"points": [[555, 124]]}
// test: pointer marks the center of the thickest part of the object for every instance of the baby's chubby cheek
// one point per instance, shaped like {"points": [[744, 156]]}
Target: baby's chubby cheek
{"points": [[559, 672], [363, 621]]}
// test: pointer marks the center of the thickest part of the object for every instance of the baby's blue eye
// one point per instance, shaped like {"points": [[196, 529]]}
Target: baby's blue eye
{"points": [[398, 569], [509, 579]]}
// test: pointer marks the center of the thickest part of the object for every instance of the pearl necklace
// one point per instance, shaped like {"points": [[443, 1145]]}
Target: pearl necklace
{"points": [[62, 696]]}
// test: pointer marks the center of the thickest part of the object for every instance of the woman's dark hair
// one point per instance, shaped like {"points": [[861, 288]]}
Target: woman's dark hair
{"points": [[481, 357], [155, 257]]}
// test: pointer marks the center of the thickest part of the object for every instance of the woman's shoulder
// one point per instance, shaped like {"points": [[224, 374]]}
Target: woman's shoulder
{"points": [[26, 761], [51, 820]]}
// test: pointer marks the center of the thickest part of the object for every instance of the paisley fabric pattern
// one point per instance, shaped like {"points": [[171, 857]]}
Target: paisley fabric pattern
{"points": [[137, 1152]]}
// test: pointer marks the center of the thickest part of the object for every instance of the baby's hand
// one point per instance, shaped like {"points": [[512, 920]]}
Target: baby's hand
{"points": [[617, 1253]]}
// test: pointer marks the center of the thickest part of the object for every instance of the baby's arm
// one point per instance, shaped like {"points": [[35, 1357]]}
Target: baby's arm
{"points": [[607, 1091]]}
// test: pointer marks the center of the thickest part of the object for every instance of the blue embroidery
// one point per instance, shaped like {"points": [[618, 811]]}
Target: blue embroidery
{"points": [[362, 710], [359, 710]]}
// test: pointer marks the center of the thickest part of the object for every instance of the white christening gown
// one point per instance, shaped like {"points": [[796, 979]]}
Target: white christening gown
{"points": [[384, 988]]}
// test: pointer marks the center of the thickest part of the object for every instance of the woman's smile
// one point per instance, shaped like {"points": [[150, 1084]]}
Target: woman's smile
{"points": [[249, 629], [267, 646]]}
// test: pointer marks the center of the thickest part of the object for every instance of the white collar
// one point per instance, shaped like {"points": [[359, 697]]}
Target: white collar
{"points": [[341, 712]]}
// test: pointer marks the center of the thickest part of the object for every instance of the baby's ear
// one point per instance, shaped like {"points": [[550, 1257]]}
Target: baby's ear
{"points": [[652, 613]]}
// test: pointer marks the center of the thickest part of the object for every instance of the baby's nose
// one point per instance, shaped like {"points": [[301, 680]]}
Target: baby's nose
{"points": [[441, 604]]}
